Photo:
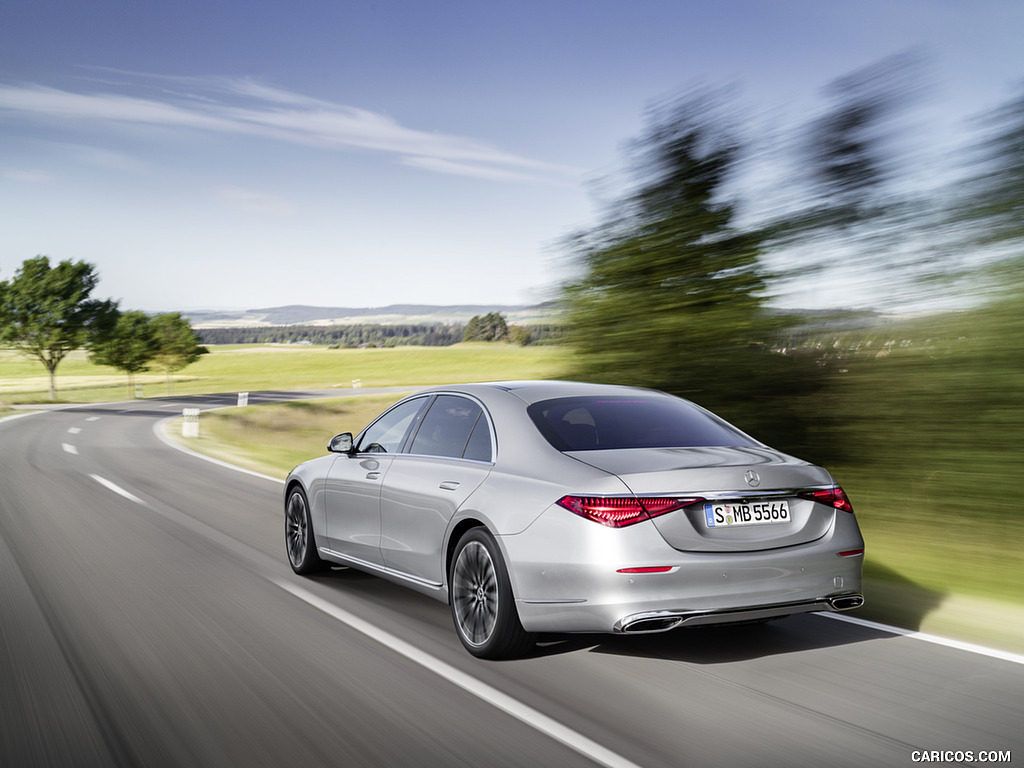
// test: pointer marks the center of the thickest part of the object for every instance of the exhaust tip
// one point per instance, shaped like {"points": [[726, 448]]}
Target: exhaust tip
{"points": [[846, 602], [651, 624]]}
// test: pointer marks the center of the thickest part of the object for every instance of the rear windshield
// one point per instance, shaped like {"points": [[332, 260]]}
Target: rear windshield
{"points": [[605, 423]]}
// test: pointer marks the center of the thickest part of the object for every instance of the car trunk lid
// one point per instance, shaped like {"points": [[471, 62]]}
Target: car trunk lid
{"points": [[743, 488]]}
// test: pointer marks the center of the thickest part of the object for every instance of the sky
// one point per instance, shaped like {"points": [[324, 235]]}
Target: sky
{"points": [[239, 155]]}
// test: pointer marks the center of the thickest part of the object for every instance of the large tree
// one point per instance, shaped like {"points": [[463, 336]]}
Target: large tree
{"points": [[178, 344], [46, 312], [671, 289]]}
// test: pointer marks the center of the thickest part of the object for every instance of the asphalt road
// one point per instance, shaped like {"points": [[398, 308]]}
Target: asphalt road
{"points": [[148, 617]]}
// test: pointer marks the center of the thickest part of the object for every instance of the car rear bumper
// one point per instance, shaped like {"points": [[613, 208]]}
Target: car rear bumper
{"points": [[581, 588]]}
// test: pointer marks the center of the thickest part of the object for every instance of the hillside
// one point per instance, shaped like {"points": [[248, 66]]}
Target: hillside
{"points": [[394, 314]]}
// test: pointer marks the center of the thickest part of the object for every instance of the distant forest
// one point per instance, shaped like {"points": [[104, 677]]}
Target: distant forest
{"points": [[355, 336]]}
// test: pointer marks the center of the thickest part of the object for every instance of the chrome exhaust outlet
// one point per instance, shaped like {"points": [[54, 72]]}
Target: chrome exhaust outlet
{"points": [[846, 602], [644, 624]]}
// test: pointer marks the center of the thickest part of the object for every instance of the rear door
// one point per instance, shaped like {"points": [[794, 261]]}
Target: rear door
{"points": [[448, 459]]}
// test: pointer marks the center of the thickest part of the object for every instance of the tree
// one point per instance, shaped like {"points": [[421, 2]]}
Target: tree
{"points": [[671, 290], [129, 347], [857, 211], [520, 335], [489, 327], [989, 209], [46, 311], [177, 342]]}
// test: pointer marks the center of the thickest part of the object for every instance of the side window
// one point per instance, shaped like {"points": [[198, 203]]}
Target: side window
{"points": [[479, 446], [447, 428], [388, 432]]}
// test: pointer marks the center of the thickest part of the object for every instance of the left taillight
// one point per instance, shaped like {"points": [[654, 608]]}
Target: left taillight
{"points": [[618, 512], [833, 497]]}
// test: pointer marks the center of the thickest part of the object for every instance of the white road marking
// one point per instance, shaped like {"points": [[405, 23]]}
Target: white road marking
{"points": [[541, 722], [69, 448], [117, 489], [94, 418], [960, 645], [74, 430]]}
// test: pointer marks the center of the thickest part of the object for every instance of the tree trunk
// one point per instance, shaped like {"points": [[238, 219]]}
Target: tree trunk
{"points": [[53, 380]]}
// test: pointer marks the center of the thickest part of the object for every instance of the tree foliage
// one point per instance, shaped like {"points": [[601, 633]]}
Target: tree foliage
{"points": [[46, 311], [671, 290], [178, 345], [989, 211], [489, 327], [130, 346]]}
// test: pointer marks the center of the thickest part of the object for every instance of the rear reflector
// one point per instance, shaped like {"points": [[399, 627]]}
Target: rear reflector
{"points": [[649, 569], [618, 511], [851, 553]]}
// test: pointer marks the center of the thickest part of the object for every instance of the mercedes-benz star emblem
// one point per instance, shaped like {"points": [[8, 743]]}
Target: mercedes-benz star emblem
{"points": [[752, 478]]}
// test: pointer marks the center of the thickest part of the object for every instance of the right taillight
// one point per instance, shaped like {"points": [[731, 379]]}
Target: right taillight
{"points": [[833, 497]]}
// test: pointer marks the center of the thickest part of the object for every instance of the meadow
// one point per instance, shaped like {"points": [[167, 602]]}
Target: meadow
{"points": [[931, 433]]}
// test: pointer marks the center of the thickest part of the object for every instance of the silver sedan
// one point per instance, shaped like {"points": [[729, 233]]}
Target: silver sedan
{"points": [[547, 506]]}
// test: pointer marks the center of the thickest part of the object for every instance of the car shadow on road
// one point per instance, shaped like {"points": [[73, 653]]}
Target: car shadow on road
{"points": [[899, 602], [737, 642]]}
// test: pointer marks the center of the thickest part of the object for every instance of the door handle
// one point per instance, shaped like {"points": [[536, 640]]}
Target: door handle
{"points": [[372, 475], [449, 485]]}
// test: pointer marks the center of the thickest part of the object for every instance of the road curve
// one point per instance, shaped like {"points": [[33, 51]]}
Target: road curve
{"points": [[148, 618]]}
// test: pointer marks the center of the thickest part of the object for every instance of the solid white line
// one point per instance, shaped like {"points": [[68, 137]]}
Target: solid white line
{"points": [[158, 430], [960, 645], [68, 448], [541, 722], [117, 489]]}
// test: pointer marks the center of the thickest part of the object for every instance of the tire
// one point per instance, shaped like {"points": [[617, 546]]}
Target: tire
{"points": [[482, 604], [298, 534]]}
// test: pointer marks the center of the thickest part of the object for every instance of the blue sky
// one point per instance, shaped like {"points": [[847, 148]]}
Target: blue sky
{"points": [[242, 155]]}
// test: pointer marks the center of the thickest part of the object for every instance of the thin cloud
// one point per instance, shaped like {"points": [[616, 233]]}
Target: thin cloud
{"points": [[439, 165], [242, 106], [251, 201], [28, 176]]}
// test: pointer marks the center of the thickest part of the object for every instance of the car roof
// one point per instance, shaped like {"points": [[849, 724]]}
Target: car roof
{"points": [[534, 391]]}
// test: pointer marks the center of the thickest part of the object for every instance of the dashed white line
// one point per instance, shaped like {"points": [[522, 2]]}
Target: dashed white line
{"points": [[535, 719], [117, 489], [69, 448], [94, 418], [74, 430]]}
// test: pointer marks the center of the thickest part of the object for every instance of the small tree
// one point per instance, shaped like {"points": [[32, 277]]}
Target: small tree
{"points": [[129, 347], [489, 327], [46, 312], [178, 344]]}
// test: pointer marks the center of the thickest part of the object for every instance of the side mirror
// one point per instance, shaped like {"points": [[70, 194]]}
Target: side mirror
{"points": [[341, 443]]}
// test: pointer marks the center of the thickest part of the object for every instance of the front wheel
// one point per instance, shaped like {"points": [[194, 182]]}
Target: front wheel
{"points": [[298, 534], [483, 608]]}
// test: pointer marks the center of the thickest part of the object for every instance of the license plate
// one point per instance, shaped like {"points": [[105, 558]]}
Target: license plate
{"points": [[746, 513]]}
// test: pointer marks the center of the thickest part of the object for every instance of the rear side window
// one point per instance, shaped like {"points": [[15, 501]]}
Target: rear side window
{"points": [[454, 427], [605, 423]]}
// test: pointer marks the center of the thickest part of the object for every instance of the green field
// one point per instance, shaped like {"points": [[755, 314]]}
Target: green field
{"points": [[282, 367], [931, 436]]}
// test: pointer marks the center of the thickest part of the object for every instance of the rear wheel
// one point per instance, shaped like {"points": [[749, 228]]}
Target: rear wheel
{"points": [[298, 534], [483, 608]]}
